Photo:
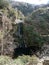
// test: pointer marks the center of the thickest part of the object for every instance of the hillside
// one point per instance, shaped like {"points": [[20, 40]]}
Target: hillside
{"points": [[25, 8], [40, 20], [8, 15], [21, 35]]}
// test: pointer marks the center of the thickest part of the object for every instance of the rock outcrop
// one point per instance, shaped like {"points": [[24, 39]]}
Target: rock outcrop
{"points": [[6, 39]]}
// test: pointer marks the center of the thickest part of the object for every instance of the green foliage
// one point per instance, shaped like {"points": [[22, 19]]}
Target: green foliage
{"points": [[3, 3], [12, 14], [40, 20], [32, 38], [35, 25], [19, 15], [25, 8], [21, 60], [15, 14]]}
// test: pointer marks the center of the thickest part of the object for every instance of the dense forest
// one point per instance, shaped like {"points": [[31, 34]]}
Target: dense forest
{"points": [[24, 32]]}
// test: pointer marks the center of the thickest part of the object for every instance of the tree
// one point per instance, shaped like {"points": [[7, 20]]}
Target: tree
{"points": [[31, 37]]}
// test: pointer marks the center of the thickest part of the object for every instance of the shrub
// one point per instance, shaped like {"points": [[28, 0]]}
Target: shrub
{"points": [[3, 3]]}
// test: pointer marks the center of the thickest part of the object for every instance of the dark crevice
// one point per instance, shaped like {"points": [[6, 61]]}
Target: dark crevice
{"points": [[25, 51]]}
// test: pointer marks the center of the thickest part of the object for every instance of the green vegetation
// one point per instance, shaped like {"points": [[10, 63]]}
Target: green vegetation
{"points": [[21, 60], [3, 3], [25, 8], [39, 19], [32, 38], [25, 34], [36, 25], [15, 14]]}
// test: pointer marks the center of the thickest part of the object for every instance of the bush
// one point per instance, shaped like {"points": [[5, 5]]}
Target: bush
{"points": [[31, 37], [3, 3], [21, 60]]}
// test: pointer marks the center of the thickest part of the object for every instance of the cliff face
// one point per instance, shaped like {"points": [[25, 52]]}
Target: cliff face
{"points": [[6, 39], [14, 35]]}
